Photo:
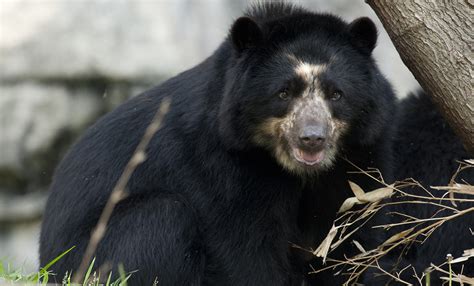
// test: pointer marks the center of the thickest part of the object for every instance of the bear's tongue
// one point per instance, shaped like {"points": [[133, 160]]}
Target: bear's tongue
{"points": [[308, 157]]}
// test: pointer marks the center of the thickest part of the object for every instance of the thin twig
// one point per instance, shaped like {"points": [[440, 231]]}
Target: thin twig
{"points": [[119, 192], [423, 227]]}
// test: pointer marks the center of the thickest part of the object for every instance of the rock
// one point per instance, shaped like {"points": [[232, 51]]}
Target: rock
{"points": [[34, 117], [26, 208], [31, 116], [119, 39], [19, 246], [138, 39]]}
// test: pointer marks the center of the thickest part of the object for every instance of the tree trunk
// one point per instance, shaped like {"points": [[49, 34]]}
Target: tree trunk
{"points": [[435, 41]]}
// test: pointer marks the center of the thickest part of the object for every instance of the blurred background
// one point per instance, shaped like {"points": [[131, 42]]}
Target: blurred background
{"points": [[64, 63]]}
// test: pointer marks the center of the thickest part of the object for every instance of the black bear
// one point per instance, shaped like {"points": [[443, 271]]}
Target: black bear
{"points": [[427, 150], [251, 157]]}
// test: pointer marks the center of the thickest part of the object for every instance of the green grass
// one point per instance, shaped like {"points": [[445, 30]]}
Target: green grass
{"points": [[11, 275]]}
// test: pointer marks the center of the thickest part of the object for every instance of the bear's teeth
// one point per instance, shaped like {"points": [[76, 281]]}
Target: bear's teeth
{"points": [[309, 158]]}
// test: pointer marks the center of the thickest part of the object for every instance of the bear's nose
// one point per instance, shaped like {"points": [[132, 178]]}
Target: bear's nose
{"points": [[313, 137]]}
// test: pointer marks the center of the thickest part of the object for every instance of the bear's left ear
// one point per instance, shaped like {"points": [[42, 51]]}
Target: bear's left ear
{"points": [[245, 33], [363, 35]]}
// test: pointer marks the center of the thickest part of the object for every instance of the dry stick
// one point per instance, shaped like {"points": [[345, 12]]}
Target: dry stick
{"points": [[397, 278], [118, 193], [397, 189], [450, 217], [420, 203], [412, 236], [373, 258]]}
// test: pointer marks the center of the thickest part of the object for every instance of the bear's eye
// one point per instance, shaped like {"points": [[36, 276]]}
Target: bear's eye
{"points": [[336, 95], [283, 95]]}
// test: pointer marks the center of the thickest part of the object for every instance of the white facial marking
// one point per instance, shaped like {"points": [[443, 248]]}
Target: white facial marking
{"points": [[279, 133], [310, 73]]}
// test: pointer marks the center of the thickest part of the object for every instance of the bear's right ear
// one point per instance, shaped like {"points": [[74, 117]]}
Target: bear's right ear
{"points": [[245, 33], [363, 34]]}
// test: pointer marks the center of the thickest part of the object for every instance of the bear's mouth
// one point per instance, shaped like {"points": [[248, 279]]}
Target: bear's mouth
{"points": [[307, 157]]}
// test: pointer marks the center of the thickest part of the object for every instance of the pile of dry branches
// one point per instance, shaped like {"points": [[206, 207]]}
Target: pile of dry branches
{"points": [[443, 200]]}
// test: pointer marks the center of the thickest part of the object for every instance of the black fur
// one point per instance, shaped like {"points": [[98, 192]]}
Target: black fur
{"points": [[363, 34], [245, 34], [208, 206], [427, 150]]}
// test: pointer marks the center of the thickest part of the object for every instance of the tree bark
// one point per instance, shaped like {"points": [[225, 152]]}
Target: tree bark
{"points": [[435, 41]]}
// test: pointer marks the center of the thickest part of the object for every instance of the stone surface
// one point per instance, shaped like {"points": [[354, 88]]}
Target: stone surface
{"points": [[119, 39], [136, 39], [31, 116], [19, 246]]}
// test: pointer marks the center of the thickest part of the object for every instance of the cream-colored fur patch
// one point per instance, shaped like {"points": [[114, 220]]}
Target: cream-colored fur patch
{"points": [[309, 72], [276, 134]]}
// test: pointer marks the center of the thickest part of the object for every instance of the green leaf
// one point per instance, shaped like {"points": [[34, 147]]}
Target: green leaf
{"points": [[88, 273]]}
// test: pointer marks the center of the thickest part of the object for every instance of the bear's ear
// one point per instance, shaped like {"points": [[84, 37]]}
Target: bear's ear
{"points": [[363, 35], [245, 33]]}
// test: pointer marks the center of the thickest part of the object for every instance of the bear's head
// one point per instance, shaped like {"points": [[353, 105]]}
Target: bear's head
{"points": [[302, 86]]}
